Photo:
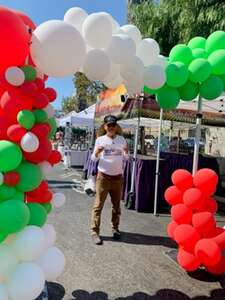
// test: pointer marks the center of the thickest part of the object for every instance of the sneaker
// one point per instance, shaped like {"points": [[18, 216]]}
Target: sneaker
{"points": [[96, 239], [116, 234]]}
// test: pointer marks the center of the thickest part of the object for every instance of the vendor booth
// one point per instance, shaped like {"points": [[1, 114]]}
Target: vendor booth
{"points": [[176, 150]]}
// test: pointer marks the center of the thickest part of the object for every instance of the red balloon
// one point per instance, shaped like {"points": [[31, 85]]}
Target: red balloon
{"points": [[13, 102], [40, 84], [219, 268], [193, 198], [171, 228], [14, 38], [4, 124], [208, 252], [203, 221], [182, 179], [39, 190], [181, 214], [187, 260], [186, 236], [41, 130], [50, 93], [11, 178], [220, 240], [15, 132], [213, 233], [55, 157], [26, 20], [41, 154], [29, 88], [44, 197], [41, 101], [210, 205], [206, 180], [173, 195]]}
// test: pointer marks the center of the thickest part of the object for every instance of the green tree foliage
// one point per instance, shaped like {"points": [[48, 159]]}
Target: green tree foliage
{"points": [[69, 104], [86, 90], [176, 21]]}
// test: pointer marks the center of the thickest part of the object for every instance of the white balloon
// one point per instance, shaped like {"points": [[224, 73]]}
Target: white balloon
{"points": [[15, 76], [29, 142], [46, 168], [147, 51], [50, 235], [115, 83], [1, 178], [133, 69], [3, 292], [49, 109], [133, 32], [121, 49], [52, 263], [115, 26], [161, 61], [58, 200], [75, 16], [10, 238], [97, 30], [154, 76], [39, 74], [29, 244], [113, 73], [8, 261], [26, 282], [96, 65], [57, 48], [134, 87]]}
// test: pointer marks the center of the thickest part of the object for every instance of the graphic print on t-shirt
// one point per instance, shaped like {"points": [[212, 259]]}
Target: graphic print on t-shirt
{"points": [[113, 151]]}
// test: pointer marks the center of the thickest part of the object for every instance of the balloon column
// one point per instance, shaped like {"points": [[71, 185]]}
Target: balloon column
{"points": [[28, 256], [197, 68], [201, 242], [96, 45]]}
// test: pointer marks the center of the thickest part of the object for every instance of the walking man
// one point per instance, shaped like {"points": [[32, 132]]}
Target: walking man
{"points": [[110, 150]]}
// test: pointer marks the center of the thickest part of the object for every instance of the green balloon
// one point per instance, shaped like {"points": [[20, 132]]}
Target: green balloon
{"points": [[149, 91], [211, 88], [30, 177], [14, 216], [19, 196], [215, 41], [222, 77], [10, 156], [6, 192], [40, 116], [197, 42], [177, 74], [26, 119], [217, 61], [29, 72], [3, 236], [199, 70], [188, 91], [181, 53], [38, 214], [199, 53], [168, 97], [53, 125], [48, 207]]}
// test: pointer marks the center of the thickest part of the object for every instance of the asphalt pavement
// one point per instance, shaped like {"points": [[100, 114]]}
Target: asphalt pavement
{"points": [[139, 267]]}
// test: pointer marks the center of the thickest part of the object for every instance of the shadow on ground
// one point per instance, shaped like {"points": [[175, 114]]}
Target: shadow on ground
{"points": [[141, 239], [57, 292]]}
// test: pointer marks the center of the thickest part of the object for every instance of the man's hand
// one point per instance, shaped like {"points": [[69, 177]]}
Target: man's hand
{"points": [[99, 150], [125, 149]]}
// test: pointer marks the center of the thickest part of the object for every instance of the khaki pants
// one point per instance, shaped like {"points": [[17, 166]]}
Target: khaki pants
{"points": [[105, 185]]}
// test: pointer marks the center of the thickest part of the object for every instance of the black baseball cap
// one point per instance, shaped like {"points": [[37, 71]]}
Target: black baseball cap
{"points": [[110, 119]]}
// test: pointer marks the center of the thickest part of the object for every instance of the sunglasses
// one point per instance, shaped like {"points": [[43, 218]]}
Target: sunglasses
{"points": [[111, 125]]}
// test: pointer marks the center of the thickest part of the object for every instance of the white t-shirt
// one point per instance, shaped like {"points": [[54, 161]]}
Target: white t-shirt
{"points": [[111, 158]]}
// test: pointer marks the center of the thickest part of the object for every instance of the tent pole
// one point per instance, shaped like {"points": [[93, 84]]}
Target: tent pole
{"points": [[157, 162], [197, 136]]}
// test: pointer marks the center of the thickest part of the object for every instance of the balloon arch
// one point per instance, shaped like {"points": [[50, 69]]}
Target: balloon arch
{"points": [[96, 45]]}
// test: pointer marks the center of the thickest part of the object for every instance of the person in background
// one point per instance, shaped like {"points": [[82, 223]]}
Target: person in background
{"points": [[110, 150]]}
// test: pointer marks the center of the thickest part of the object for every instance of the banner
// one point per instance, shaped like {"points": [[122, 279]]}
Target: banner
{"points": [[109, 103]]}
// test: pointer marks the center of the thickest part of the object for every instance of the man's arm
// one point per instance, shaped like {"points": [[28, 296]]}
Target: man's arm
{"points": [[97, 150]]}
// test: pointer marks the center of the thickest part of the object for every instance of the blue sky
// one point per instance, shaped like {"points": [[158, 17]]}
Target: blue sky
{"points": [[43, 10]]}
